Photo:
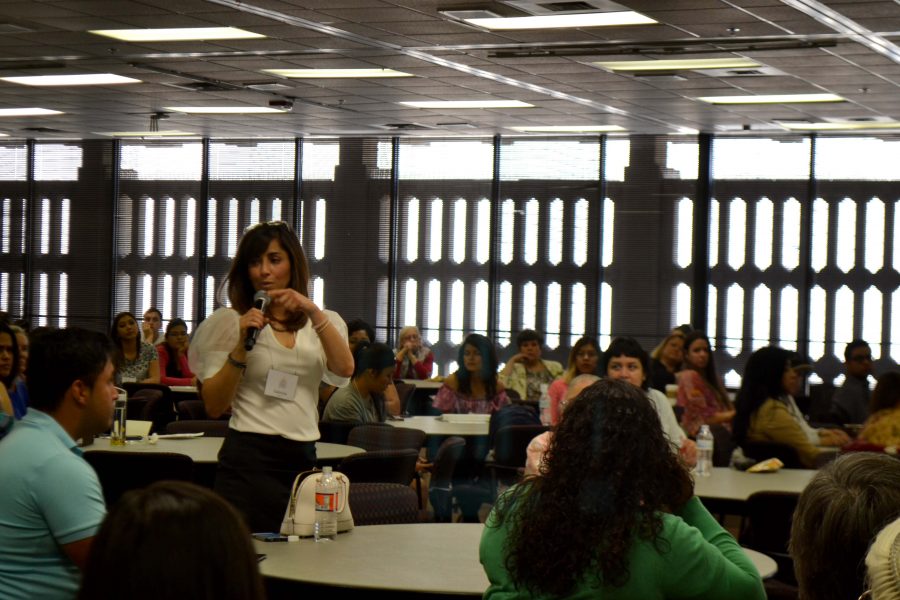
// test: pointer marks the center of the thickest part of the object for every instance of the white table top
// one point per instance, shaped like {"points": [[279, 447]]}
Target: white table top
{"points": [[729, 484], [424, 383], [437, 558], [434, 426], [206, 449]]}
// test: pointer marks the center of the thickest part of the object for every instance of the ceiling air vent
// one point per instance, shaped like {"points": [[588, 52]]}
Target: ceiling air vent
{"points": [[42, 130], [547, 7], [203, 86], [658, 75], [761, 71], [566, 6], [404, 126]]}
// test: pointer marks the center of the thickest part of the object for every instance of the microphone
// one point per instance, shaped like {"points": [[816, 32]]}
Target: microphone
{"points": [[260, 301]]}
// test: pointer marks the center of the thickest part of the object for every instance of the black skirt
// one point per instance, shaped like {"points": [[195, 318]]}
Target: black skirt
{"points": [[256, 473]]}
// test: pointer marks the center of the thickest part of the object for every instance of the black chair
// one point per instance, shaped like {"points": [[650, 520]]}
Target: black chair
{"points": [[723, 445], [150, 402], [209, 427], [766, 528], [381, 466], [385, 437], [335, 433], [442, 467], [405, 392], [382, 503], [191, 409], [763, 450], [120, 472], [510, 444]]}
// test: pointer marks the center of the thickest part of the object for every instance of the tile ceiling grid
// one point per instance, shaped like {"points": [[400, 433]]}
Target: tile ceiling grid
{"points": [[864, 77]]}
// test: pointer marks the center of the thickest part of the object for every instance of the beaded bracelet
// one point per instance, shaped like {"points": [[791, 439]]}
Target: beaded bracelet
{"points": [[321, 326], [236, 363]]}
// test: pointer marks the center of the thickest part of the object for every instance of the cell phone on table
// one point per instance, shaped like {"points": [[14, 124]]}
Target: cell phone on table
{"points": [[270, 537]]}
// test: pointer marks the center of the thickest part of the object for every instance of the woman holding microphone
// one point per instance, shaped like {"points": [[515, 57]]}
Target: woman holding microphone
{"points": [[265, 359]]}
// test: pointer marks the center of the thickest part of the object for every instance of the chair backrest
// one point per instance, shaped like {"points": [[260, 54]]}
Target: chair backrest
{"points": [[385, 437], [511, 441], [383, 503], [723, 445], [335, 433], [381, 466], [405, 392], [191, 409], [440, 492], [512, 414], [210, 427], [767, 528], [150, 402], [122, 471]]}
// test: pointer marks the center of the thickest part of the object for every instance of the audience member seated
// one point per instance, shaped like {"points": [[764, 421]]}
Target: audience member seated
{"points": [[767, 413], [627, 361], [414, 359], [151, 325], [18, 394], [850, 402], [52, 502], [582, 361], [362, 400], [883, 564], [612, 516], [9, 368], [700, 390], [666, 360], [136, 361], [526, 371], [883, 426], [173, 359], [537, 447], [358, 331], [474, 387], [172, 539], [837, 517]]}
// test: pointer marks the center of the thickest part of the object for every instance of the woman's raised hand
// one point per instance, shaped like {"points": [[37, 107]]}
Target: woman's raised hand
{"points": [[293, 301]]}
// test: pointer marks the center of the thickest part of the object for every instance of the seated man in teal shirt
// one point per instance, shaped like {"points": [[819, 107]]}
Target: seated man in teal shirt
{"points": [[52, 503]]}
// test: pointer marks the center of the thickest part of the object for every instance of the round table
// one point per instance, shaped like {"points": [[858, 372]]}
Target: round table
{"points": [[436, 426]]}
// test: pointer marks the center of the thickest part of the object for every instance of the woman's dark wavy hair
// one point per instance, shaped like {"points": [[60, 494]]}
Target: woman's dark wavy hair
{"points": [[571, 371], [14, 371], [609, 473], [886, 393], [709, 374], [182, 541], [626, 346], [489, 362], [173, 367], [253, 245], [117, 341], [762, 380]]}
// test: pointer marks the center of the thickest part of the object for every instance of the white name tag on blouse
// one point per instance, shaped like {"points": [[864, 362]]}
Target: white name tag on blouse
{"points": [[281, 385]]}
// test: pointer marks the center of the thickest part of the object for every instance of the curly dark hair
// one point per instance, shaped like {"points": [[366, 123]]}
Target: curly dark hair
{"points": [[609, 473]]}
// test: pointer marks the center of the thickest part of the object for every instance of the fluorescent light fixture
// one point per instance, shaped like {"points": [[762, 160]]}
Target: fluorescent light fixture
{"points": [[691, 64], [27, 112], [469, 104], [164, 133], [337, 73], [86, 79], [567, 128], [4, 135], [604, 19], [773, 99], [224, 110], [177, 34], [828, 126]]}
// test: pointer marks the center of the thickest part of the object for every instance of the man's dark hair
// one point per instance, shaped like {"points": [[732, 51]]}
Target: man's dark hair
{"points": [[359, 324], [60, 357], [848, 351], [529, 335]]}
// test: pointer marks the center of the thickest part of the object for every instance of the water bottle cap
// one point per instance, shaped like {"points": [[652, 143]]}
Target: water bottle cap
{"points": [[326, 470]]}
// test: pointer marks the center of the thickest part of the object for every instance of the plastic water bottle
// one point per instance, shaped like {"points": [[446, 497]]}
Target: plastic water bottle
{"points": [[117, 434], [544, 405], [704, 452], [327, 502]]}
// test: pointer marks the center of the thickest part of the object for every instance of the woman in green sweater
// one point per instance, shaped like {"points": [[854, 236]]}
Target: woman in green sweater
{"points": [[614, 516]]}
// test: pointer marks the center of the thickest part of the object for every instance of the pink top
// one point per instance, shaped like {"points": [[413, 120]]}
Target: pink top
{"points": [[698, 399], [163, 352], [450, 401]]}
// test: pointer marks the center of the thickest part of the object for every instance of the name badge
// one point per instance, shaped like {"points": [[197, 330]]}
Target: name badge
{"points": [[281, 385], [129, 380]]}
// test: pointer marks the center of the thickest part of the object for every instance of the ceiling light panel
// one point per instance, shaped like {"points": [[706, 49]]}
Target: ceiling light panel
{"points": [[63, 80], [27, 112], [831, 126], [568, 128], [337, 73], [468, 104], [567, 21], [772, 99], [694, 64], [164, 133], [179, 34], [224, 110]]}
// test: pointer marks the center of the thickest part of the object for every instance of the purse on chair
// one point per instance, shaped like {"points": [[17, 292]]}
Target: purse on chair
{"points": [[300, 515]]}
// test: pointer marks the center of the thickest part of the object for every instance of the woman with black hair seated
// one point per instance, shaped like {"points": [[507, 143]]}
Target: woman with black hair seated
{"points": [[474, 387], [767, 413], [612, 516], [173, 361], [362, 401]]}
